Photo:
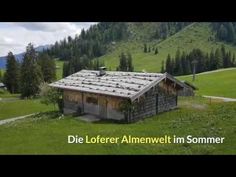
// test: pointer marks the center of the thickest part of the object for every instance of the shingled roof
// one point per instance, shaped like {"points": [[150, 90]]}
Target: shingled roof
{"points": [[121, 84]]}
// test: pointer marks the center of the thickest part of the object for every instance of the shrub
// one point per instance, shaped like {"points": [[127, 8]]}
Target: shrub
{"points": [[50, 95]]}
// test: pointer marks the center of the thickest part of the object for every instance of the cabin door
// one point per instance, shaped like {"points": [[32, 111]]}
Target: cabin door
{"points": [[91, 105], [103, 108], [157, 102]]}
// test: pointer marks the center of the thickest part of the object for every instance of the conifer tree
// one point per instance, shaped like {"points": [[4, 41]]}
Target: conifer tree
{"points": [[228, 60], [12, 74], [231, 32], [123, 64], [212, 62], [207, 62], [218, 59], [31, 75], [183, 63], [224, 56], [169, 68], [129, 63], [48, 67], [156, 51], [145, 48], [162, 67], [66, 69], [233, 61], [178, 66], [188, 67], [222, 33]]}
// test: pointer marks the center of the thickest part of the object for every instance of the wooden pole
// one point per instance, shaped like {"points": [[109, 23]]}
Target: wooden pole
{"points": [[194, 62]]}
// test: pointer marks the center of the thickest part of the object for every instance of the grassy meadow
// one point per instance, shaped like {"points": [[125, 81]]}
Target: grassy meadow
{"points": [[59, 69], [18, 107], [220, 83], [2, 71], [12, 106], [6, 94], [47, 134]]}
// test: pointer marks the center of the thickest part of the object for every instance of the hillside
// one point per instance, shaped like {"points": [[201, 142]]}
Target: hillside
{"points": [[217, 83], [195, 35]]}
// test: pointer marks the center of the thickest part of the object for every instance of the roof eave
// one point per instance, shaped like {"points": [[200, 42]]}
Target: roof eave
{"points": [[165, 75]]}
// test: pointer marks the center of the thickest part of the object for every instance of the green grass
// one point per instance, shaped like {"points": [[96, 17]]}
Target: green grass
{"points": [[59, 70], [6, 94], [9, 109], [142, 30], [46, 134], [2, 71], [221, 83], [193, 36], [12, 106]]}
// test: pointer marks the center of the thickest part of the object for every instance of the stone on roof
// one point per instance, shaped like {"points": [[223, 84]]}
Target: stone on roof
{"points": [[113, 83]]}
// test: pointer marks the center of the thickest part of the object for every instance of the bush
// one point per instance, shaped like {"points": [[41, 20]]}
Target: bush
{"points": [[50, 95], [60, 105]]}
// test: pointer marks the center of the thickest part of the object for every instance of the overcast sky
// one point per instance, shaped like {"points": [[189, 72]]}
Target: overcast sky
{"points": [[15, 36]]}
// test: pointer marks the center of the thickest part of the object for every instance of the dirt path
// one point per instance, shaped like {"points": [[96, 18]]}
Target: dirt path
{"points": [[8, 99], [215, 71], [15, 118], [221, 98]]}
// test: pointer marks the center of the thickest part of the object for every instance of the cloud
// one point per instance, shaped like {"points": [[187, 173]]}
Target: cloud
{"points": [[53, 26], [7, 39], [15, 36]]}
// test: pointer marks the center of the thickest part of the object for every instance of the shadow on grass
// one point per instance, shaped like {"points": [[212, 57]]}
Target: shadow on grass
{"points": [[109, 121], [96, 119], [48, 114]]}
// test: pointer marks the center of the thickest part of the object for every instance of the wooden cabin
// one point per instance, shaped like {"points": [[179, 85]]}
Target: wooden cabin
{"points": [[122, 96], [188, 89]]}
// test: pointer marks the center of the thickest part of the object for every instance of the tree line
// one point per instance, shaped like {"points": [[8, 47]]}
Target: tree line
{"points": [[77, 64], [183, 63], [79, 52], [147, 49], [125, 62], [26, 77], [90, 43], [95, 41], [166, 29], [225, 31]]}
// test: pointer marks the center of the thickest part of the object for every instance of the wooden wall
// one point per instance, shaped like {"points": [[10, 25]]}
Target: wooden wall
{"points": [[105, 107], [162, 97]]}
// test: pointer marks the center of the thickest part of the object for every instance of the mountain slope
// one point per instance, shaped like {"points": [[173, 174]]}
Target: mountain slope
{"points": [[195, 35]]}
